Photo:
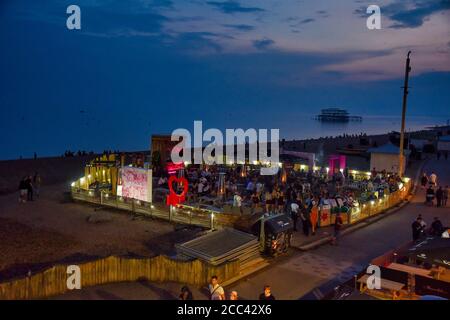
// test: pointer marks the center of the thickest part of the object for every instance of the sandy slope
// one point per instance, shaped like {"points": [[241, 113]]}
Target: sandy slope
{"points": [[52, 229]]}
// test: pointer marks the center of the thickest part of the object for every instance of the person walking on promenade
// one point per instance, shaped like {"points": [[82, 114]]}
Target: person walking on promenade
{"points": [[445, 196], [436, 227], [439, 196], [446, 155], [433, 179], [234, 295], [216, 291], [424, 180], [438, 155], [267, 294], [417, 229], [337, 229], [429, 196], [186, 294], [422, 222]]}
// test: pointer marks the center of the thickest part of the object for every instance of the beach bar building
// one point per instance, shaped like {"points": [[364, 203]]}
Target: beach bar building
{"points": [[443, 143], [386, 158]]}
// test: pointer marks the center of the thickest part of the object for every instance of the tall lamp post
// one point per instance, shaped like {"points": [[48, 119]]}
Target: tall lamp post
{"points": [[401, 156]]}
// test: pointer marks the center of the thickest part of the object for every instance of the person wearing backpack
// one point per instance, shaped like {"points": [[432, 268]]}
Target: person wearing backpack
{"points": [[216, 291]]}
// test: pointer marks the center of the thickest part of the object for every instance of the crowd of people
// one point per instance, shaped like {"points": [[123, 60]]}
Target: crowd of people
{"points": [[300, 194], [434, 191], [217, 292], [79, 153], [420, 228], [29, 188]]}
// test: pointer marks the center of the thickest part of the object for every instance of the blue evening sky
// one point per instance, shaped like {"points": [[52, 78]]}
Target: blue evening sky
{"points": [[150, 66]]}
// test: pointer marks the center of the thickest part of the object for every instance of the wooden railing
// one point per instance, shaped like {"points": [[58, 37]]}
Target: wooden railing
{"points": [[215, 219], [188, 215], [53, 281], [377, 206]]}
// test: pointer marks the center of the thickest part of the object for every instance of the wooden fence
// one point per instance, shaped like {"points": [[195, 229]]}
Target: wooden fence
{"points": [[53, 281], [185, 214]]}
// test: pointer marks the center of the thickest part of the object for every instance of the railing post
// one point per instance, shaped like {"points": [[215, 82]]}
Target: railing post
{"points": [[212, 221]]}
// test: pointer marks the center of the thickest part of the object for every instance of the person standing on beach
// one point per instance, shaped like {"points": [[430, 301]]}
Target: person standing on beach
{"points": [[37, 184], [294, 214], [439, 196], [23, 190], [445, 196], [29, 186]]}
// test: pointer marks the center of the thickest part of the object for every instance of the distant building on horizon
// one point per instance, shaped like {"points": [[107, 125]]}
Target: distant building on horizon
{"points": [[386, 157], [336, 115]]}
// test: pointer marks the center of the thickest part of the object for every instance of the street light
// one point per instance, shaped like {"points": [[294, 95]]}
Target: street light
{"points": [[401, 156]]}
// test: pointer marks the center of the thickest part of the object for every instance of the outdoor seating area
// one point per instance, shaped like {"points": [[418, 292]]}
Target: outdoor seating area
{"points": [[233, 191], [413, 270]]}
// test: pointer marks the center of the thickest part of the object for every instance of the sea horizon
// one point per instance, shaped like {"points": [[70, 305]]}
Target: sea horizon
{"points": [[310, 129]]}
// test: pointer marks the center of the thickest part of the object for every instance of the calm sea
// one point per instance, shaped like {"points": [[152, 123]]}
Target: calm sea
{"points": [[306, 127]]}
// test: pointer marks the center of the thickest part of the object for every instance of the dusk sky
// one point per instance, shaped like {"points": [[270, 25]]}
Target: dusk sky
{"points": [[144, 67]]}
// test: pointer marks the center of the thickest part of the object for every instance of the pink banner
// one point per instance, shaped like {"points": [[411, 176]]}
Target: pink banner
{"points": [[134, 183]]}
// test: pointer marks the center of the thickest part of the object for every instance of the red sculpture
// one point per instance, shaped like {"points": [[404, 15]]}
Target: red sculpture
{"points": [[174, 198]]}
